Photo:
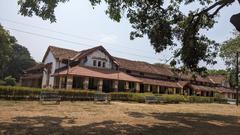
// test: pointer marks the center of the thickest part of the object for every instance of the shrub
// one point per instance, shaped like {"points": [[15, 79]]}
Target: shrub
{"points": [[121, 96], [171, 98], [219, 98], [2, 82], [74, 95], [199, 99], [27, 93], [138, 97], [127, 96], [10, 81]]}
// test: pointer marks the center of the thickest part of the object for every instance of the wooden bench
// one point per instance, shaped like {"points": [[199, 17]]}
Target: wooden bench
{"points": [[50, 97], [102, 97], [150, 99]]}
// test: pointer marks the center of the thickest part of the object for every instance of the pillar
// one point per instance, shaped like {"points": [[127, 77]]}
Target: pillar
{"points": [[100, 85], [60, 82], [174, 90], [85, 83], [182, 91], [166, 90], [158, 89], [204, 93], [20, 81], [126, 86], [69, 82], [115, 85], [148, 88], [137, 87]]}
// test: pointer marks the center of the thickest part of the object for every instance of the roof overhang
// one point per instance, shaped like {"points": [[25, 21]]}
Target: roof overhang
{"points": [[97, 73]]}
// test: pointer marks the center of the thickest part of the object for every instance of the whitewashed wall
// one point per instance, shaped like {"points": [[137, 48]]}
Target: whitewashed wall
{"points": [[49, 59], [100, 54]]}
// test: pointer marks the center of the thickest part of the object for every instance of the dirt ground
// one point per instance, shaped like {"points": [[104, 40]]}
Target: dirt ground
{"points": [[87, 118]]}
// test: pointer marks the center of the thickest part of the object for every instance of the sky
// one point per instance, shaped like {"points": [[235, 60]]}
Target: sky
{"points": [[79, 27]]}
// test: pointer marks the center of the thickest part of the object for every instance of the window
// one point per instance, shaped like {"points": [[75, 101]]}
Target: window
{"points": [[94, 63], [99, 63], [103, 64]]}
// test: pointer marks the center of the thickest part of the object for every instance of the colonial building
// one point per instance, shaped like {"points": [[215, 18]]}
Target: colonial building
{"points": [[96, 69]]}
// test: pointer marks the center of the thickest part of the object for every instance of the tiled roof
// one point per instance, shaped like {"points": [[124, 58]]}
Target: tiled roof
{"points": [[182, 83], [139, 66], [32, 76], [217, 79], [144, 67], [225, 90], [60, 53], [159, 82], [188, 76], [83, 53], [98, 73], [86, 52], [202, 88], [36, 67]]}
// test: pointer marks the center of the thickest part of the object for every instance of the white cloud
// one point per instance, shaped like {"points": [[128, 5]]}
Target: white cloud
{"points": [[108, 39]]}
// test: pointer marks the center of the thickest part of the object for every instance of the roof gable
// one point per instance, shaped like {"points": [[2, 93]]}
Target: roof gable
{"points": [[87, 52], [217, 79], [60, 53]]}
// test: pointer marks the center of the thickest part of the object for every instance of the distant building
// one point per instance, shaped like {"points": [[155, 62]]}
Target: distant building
{"points": [[96, 69]]}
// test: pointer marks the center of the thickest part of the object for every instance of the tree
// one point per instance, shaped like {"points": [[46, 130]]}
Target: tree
{"points": [[14, 58], [218, 72], [228, 50], [162, 21], [20, 60], [10, 81], [6, 40], [228, 53]]}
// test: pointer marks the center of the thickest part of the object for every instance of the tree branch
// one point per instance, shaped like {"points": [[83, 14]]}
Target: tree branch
{"points": [[217, 10], [221, 2]]}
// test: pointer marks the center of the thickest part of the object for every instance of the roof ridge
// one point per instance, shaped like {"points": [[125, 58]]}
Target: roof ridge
{"points": [[52, 46]]}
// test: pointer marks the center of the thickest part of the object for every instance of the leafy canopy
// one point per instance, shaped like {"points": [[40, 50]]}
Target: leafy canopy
{"points": [[228, 50], [20, 60], [6, 40], [162, 21], [14, 58]]}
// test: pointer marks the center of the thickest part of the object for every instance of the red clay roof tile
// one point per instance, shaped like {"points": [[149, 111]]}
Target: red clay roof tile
{"points": [[98, 73]]}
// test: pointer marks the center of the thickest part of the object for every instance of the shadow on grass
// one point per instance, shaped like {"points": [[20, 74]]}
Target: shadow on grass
{"points": [[169, 124]]}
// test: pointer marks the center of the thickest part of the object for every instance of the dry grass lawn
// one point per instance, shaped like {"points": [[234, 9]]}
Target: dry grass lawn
{"points": [[87, 118]]}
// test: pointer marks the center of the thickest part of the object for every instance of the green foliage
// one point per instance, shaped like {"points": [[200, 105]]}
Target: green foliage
{"points": [[217, 72], [14, 58], [228, 50], [219, 98], [26, 93], [140, 97], [162, 21], [2, 82], [5, 49], [172, 98], [128, 96], [10, 81], [189, 99], [42, 8], [20, 60], [121, 96], [198, 99], [232, 78]]}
